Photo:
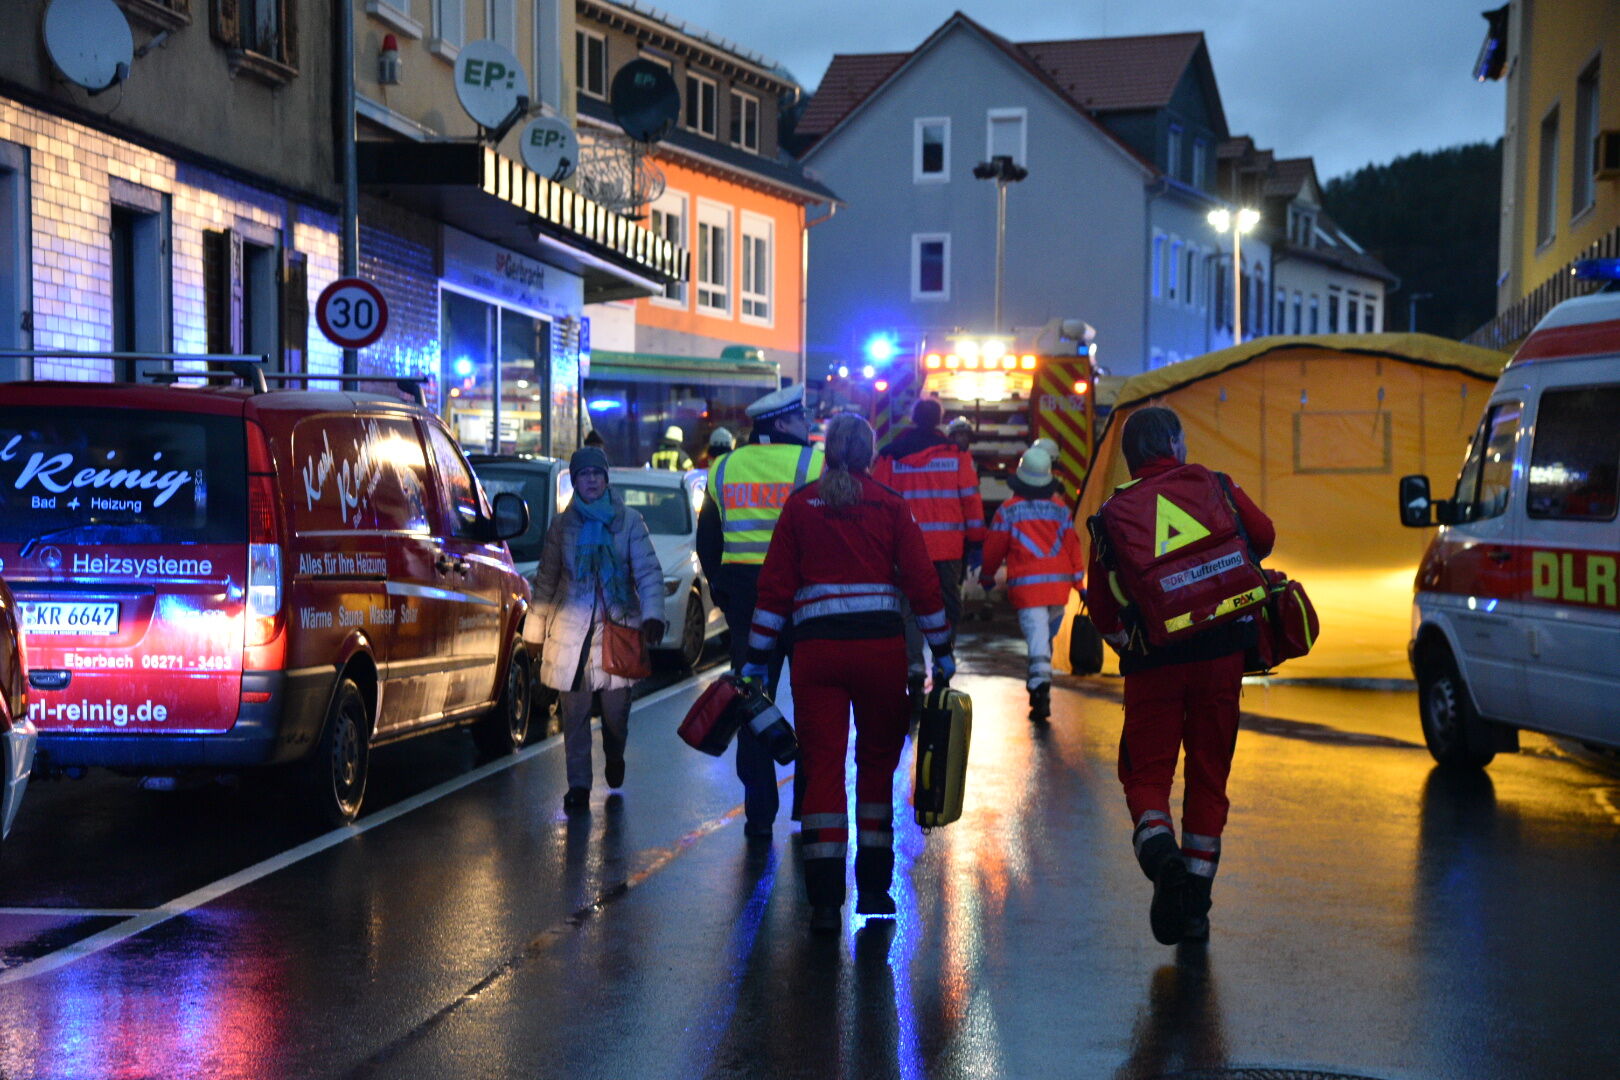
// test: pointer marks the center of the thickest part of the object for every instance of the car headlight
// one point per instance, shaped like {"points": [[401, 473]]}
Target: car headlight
{"points": [[670, 585]]}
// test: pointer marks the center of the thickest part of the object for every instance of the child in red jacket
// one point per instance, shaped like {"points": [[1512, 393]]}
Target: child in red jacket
{"points": [[1034, 532]]}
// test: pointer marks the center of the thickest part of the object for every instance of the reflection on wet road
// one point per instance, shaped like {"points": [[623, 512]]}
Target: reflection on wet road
{"points": [[1374, 916]]}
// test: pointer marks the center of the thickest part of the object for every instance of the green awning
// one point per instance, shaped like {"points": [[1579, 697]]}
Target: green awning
{"points": [[651, 368]]}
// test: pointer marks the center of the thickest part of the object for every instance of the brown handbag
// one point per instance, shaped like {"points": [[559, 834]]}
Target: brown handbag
{"points": [[624, 650]]}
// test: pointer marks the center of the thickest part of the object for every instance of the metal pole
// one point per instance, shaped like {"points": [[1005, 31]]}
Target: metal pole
{"points": [[350, 239], [1001, 244], [1237, 285]]}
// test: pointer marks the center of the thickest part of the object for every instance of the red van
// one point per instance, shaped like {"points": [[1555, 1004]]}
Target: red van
{"points": [[227, 576]]}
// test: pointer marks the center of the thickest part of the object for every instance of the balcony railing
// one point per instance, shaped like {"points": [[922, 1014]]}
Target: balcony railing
{"points": [[1514, 324]]}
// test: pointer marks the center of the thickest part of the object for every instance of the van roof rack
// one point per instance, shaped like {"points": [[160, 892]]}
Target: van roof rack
{"points": [[410, 385]]}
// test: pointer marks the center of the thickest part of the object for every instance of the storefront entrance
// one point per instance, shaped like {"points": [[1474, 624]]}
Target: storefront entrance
{"points": [[479, 339]]}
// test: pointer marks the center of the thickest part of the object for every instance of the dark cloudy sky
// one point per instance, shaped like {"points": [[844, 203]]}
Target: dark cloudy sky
{"points": [[1346, 81]]}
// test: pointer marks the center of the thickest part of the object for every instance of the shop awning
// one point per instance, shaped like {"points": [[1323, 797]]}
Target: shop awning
{"points": [[471, 187], [648, 367]]}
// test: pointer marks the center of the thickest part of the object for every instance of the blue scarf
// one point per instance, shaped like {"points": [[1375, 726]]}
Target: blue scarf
{"points": [[593, 552]]}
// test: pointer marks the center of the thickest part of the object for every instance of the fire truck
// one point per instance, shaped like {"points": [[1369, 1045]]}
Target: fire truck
{"points": [[1013, 388]]}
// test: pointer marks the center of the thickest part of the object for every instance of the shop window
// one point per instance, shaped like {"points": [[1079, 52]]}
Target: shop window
{"points": [[486, 413], [756, 268], [930, 266], [262, 36], [590, 63], [931, 149], [701, 104], [1575, 460], [745, 121], [669, 221], [714, 259]]}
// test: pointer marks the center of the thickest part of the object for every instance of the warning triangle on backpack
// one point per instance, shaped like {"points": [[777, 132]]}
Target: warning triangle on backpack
{"points": [[1174, 528]]}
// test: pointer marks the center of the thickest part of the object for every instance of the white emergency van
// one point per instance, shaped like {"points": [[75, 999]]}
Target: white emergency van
{"points": [[1516, 619]]}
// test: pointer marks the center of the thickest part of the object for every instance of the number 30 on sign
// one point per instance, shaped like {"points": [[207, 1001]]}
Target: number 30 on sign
{"points": [[352, 313]]}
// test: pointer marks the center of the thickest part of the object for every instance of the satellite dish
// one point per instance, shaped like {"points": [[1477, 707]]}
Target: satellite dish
{"points": [[89, 42], [615, 170], [489, 81], [550, 148], [645, 101]]}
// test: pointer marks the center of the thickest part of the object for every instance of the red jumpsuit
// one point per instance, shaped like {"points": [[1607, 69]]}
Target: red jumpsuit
{"points": [[839, 573], [1181, 695]]}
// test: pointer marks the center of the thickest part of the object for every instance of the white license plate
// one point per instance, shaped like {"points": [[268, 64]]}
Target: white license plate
{"points": [[68, 617]]}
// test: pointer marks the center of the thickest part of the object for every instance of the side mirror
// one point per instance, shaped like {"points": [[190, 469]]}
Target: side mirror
{"points": [[511, 515], [1415, 502]]}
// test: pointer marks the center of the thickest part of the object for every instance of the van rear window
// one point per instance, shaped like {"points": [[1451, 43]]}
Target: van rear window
{"points": [[121, 476]]}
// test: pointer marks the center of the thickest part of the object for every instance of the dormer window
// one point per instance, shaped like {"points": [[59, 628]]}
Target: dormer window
{"points": [[701, 104]]}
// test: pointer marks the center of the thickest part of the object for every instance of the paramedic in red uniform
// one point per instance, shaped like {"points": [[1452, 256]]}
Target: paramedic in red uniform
{"points": [[1183, 694], [843, 554], [941, 488]]}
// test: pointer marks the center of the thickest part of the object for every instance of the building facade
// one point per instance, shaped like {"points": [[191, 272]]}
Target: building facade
{"points": [[696, 354], [1560, 153]]}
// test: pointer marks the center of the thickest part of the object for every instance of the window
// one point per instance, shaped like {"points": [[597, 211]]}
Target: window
{"points": [[1316, 310], [1004, 134], [745, 121], [669, 221], [756, 268], [140, 272], [16, 257], [1369, 318], [462, 504], [1333, 312], [1575, 461], [1200, 162], [1173, 269], [1158, 266], [1547, 179], [931, 150], [241, 291], [1586, 131], [449, 27], [1257, 301], [1189, 275], [1280, 322], [263, 39], [714, 259], [1172, 152], [1299, 314], [1487, 476], [700, 105], [590, 64], [930, 266], [500, 21]]}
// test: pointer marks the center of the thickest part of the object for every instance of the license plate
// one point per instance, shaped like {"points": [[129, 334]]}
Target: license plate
{"points": [[68, 617]]}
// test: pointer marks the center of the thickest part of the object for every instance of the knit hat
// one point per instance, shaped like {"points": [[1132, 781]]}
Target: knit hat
{"points": [[1035, 467], [586, 457]]}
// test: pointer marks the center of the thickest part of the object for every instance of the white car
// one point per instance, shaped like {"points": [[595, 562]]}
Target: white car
{"points": [[670, 503], [17, 734]]}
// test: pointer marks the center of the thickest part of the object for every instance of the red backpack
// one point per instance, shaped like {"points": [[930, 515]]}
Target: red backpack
{"points": [[1175, 547]]}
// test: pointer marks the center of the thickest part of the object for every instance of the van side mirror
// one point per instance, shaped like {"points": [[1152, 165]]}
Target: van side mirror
{"points": [[511, 515], [1415, 502]]}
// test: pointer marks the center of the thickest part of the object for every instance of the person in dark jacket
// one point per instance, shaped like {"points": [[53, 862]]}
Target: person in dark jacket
{"points": [[1181, 695]]}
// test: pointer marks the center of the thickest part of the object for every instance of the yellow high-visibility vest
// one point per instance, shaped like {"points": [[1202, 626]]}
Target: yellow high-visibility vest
{"points": [[674, 459], [750, 486]]}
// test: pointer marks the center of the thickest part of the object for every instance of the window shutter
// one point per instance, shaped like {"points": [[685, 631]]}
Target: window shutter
{"points": [[294, 310], [226, 23], [222, 290], [289, 33]]}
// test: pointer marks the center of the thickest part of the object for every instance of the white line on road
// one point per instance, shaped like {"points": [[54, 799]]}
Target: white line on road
{"points": [[73, 912], [141, 921]]}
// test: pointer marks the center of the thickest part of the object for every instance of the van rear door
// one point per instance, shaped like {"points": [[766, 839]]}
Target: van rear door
{"points": [[124, 537]]}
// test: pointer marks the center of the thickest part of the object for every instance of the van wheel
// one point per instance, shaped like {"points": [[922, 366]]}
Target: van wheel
{"points": [[1450, 725], [692, 636], [505, 728], [342, 761]]}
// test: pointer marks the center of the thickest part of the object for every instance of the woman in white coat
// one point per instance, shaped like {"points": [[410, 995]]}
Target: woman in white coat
{"points": [[598, 562]]}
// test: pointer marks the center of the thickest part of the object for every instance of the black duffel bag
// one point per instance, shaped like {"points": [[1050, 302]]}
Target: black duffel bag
{"points": [[1085, 646]]}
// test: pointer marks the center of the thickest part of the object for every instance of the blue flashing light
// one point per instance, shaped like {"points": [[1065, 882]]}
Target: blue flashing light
{"points": [[463, 366], [880, 349], [604, 404], [1596, 270]]}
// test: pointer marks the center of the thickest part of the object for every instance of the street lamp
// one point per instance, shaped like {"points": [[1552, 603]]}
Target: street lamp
{"points": [[1243, 221], [1003, 171]]}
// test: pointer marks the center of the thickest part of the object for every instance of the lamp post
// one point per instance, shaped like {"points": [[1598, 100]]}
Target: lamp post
{"points": [[1243, 221], [1003, 171]]}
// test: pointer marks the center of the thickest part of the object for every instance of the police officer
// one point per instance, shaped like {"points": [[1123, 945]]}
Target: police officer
{"points": [[1183, 694], [746, 492], [669, 454]]}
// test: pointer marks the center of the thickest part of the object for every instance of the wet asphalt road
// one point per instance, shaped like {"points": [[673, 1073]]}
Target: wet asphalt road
{"points": [[1374, 917]]}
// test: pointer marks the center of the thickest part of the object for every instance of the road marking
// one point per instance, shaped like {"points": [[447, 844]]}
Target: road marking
{"points": [[74, 913], [1605, 800], [141, 921]]}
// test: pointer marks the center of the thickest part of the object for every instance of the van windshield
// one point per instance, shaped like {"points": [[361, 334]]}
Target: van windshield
{"points": [[121, 476]]}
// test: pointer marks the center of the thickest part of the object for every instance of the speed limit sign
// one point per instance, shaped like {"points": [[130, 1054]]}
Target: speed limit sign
{"points": [[352, 313]]}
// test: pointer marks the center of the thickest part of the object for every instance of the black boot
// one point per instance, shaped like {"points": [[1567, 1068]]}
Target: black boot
{"points": [[1198, 887], [1162, 861], [874, 871], [1040, 702], [824, 884]]}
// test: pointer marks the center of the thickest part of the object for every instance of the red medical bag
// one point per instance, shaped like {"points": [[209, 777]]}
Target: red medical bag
{"points": [[728, 704], [1288, 624]]}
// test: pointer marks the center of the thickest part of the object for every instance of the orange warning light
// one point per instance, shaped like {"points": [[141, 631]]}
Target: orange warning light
{"points": [[1081, 386]]}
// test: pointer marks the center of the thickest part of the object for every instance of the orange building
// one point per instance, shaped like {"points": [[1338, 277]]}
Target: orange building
{"points": [[697, 355]]}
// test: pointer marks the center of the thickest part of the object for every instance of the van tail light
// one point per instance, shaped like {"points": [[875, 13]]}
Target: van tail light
{"points": [[265, 616]]}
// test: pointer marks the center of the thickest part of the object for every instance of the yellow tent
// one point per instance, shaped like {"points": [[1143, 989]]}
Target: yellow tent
{"points": [[1318, 430]]}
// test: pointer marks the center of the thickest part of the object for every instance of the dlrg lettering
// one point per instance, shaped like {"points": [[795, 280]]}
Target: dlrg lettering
{"points": [[1573, 577]]}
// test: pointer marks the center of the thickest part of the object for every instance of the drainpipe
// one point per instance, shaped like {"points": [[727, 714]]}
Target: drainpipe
{"points": [[349, 239], [1153, 191]]}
